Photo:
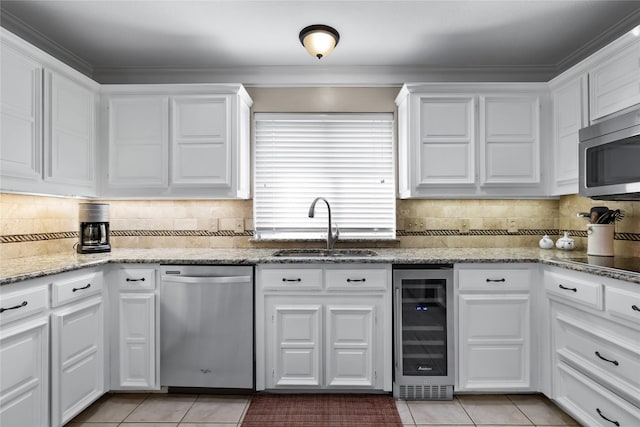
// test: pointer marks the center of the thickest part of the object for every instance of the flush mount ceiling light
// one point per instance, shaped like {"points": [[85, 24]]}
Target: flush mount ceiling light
{"points": [[319, 40]]}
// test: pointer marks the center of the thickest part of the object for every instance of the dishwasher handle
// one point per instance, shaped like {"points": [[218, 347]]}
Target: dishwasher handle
{"points": [[206, 279]]}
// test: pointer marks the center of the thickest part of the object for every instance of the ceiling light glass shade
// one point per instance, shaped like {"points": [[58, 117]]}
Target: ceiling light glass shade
{"points": [[319, 40]]}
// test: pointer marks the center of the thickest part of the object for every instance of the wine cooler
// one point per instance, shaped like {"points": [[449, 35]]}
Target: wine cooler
{"points": [[423, 332]]}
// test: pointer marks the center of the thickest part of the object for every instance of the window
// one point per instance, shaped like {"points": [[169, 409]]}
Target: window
{"points": [[345, 158]]}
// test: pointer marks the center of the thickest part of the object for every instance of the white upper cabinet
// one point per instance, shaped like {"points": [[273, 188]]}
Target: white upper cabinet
{"points": [[70, 129], [447, 140], [509, 139], [138, 142], [472, 140], [177, 141], [569, 116], [47, 123], [614, 84], [201, 141], [21, 115]]}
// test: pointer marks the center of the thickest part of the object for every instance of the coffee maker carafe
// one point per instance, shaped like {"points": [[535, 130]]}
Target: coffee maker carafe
{"points": [[94, 228]]}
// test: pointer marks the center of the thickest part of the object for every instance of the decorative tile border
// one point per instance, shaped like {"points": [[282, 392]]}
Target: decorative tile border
{"points": [[38, 237]]}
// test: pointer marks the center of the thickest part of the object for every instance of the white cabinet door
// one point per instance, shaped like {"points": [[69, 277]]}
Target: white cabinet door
{"points": [[138, 142], [494, 342], [615, 84], [509, 139], [69, 148], [137, 340], [350, 347], [21, 115], [294, 339], [201, 142], [447, 140], [24, 373], [569, 116], [77, 359]]}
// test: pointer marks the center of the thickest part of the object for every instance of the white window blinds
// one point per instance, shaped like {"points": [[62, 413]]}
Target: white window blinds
{"points": [[345, 158]]}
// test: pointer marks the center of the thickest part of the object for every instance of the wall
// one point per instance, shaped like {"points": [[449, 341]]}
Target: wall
{"points": [[38, 225]]}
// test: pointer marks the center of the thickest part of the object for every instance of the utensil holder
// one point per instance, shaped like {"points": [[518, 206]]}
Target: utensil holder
{"points": [[600, 239]]}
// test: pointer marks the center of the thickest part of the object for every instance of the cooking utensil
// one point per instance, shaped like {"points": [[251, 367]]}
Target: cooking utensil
{"points": [[596, 212], [610, 216], [605, 218], [585, 215], [617, 215]]}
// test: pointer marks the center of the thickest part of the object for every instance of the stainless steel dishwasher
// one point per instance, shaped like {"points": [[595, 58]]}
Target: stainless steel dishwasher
{"points": [[206, 326]]}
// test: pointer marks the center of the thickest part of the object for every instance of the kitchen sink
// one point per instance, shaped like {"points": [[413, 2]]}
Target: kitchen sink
{"points": [[316, 253]]}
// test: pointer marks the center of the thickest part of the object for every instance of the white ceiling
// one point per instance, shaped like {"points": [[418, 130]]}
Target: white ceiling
{"points": [[235, 39]]}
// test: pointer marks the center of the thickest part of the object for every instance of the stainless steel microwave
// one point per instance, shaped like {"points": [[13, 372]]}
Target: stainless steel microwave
{"points": [[609, 162]]}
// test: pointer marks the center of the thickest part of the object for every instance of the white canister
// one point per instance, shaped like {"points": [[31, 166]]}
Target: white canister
{"points": [[600, 239]]}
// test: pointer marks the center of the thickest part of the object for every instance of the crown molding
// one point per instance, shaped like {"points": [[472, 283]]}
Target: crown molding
{"points": [[592, 46], [352, 76], [25, 31]]}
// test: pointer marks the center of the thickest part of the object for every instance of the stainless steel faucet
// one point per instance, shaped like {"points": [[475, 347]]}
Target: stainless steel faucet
{"points": [[331, 238]]}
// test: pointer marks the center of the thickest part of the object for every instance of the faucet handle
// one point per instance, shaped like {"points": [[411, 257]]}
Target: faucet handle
{"points": [[337, 235]]}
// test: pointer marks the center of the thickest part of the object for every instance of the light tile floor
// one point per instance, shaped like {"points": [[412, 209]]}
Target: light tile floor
{"points": [[161, 410]]}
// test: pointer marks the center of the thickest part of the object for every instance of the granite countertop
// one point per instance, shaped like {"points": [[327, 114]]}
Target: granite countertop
{"points": [[15, 270]]}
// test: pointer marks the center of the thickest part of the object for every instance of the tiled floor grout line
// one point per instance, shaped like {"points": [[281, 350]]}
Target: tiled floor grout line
{"points": [[130, 412], [521, 411], [465, 410]]}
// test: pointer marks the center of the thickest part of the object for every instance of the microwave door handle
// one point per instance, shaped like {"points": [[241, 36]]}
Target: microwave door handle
{"points": [[207, 279]]}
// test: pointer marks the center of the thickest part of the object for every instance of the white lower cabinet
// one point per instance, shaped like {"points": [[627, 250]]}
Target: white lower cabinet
{"points": [[24, 372], [134, 350], [24, 354], [595, 352], [294, 340], [494, 339], [324, 335], [77, 344]]}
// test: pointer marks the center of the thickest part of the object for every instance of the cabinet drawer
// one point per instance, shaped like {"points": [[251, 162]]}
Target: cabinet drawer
{"points": [[591, 403], [493, 279], [291, 278], [65, 290], [624, 304], [22, 303], [573, 289], [356, 279], [132, 279], [615, 363]]}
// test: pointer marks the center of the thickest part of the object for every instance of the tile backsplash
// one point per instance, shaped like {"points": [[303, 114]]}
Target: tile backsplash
{"points": [[37, 225]]}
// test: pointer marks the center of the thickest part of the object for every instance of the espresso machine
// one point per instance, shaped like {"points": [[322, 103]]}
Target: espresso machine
{"points": [[94, 228]]}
